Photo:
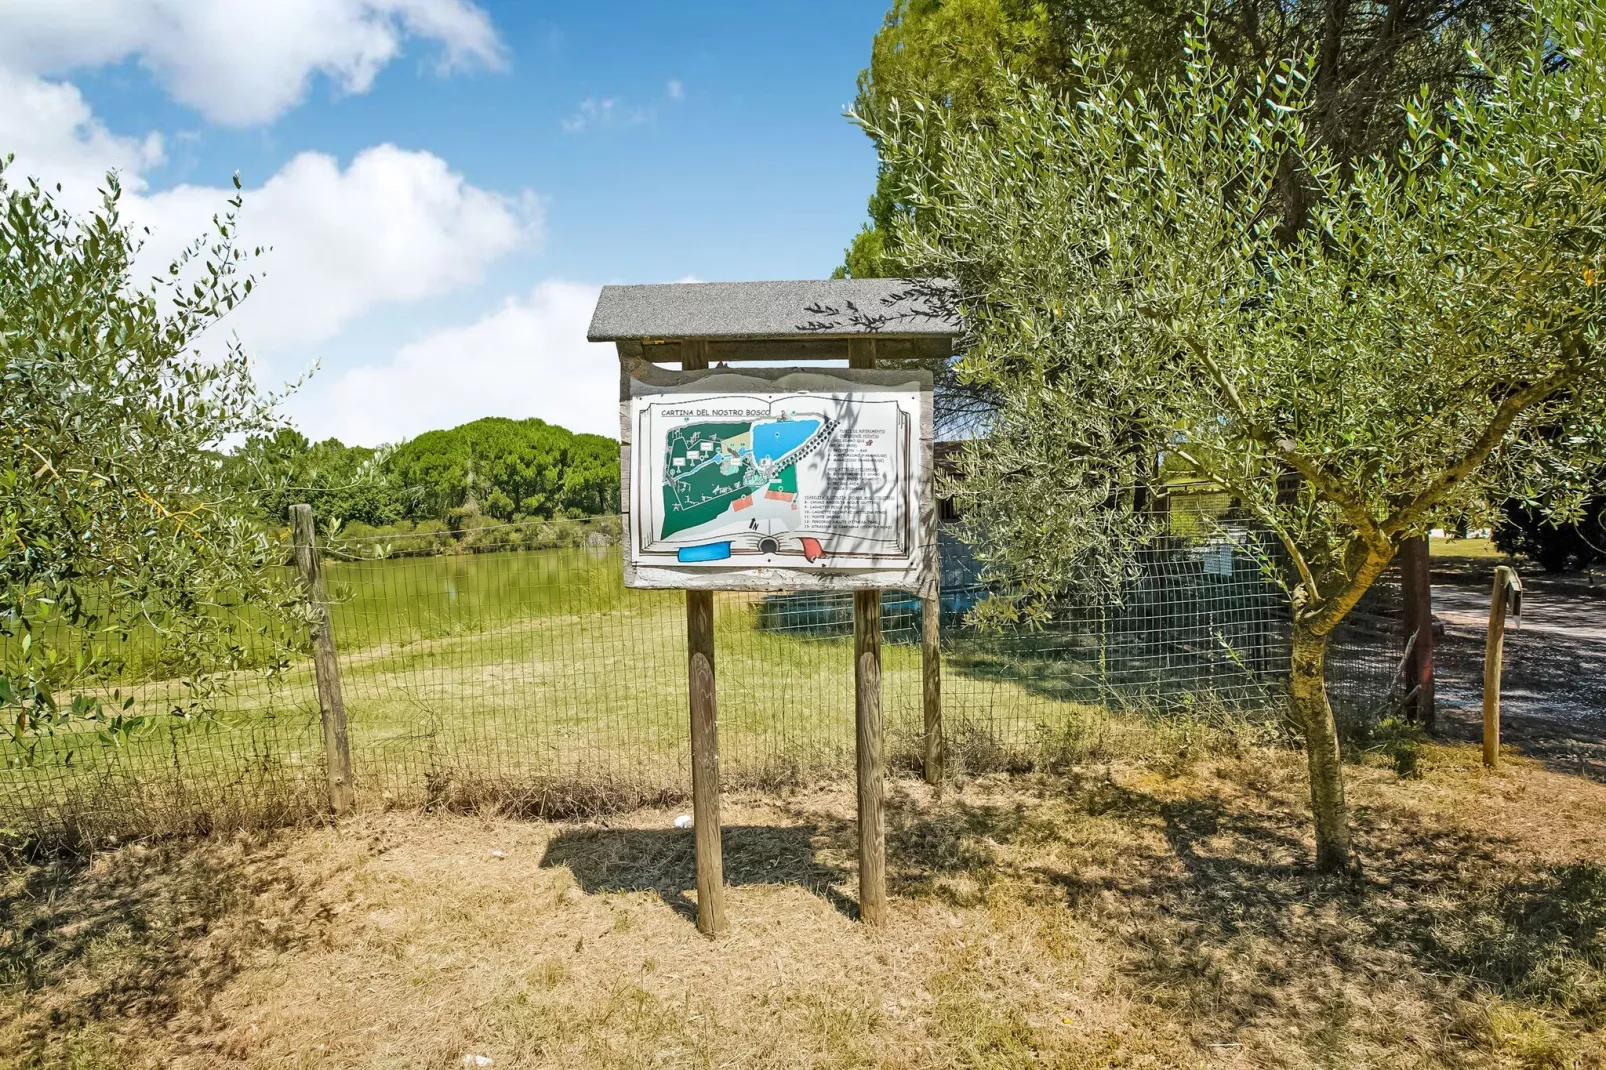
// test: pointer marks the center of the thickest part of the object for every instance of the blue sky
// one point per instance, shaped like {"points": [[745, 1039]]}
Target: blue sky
{"points": [[445, 183]]}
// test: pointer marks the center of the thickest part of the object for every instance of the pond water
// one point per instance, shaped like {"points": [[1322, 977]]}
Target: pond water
{"points": [[772, 441]]}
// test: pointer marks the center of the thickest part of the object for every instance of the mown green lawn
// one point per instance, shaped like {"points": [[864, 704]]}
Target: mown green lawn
{"points": [[499, 676]]}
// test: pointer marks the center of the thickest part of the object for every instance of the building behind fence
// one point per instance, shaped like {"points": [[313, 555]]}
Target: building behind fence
{"points": [[528, 676]]}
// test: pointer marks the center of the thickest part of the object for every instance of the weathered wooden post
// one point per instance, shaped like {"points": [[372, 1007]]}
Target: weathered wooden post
{"points": [[1416, 576], [1505, 583], [705, 761], [871, 757], [931, 685], [704, 730], [781, 479], [326, 667], [933, 742], [870, 734]]}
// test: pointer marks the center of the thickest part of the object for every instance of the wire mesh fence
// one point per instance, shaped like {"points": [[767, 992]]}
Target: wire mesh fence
{"points": [[520, 671], [1365, 661], [251, 753]]}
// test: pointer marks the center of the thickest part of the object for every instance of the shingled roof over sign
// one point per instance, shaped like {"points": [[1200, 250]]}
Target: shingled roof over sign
{"points": [[734, 311]]}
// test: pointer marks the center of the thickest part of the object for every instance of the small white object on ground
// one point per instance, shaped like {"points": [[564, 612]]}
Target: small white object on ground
{"points": [[683, 821], [497, 854], [476, 1060]]}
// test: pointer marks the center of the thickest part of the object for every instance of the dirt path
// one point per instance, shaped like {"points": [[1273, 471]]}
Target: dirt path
{"points": [[1553, 697]]}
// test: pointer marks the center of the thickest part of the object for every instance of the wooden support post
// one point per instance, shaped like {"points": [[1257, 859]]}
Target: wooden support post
{"points": [[934, 751], [704, 730], [867, 703], [1493, 653], [326, 667], [931, 685], [705, 761], [1416, 569], [867, 714]]}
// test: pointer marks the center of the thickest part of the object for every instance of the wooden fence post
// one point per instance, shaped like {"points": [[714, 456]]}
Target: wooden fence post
{"points": [[1493, 654], [931, 684], [1416, 576], [931, 609], [326, 667]]}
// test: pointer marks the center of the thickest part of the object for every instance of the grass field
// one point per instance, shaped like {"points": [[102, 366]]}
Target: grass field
{"points": [[1472, 553], [532, 676], [1155, 911]]}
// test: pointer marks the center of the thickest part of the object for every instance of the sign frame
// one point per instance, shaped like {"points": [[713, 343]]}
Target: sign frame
{"points": [[641, 379]]}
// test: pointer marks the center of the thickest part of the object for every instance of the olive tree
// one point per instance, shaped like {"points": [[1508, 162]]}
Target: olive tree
{"points": [[116, 520], [1136, 304]]}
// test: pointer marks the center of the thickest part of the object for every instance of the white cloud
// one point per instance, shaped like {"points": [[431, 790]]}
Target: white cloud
{"points": [[392, 226], [528, 358], [603, 111], [241, 61], [55, 136], [677, 89]]}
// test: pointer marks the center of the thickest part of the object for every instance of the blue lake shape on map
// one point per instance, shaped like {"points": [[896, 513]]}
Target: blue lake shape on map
{"points": [[772, 441]]}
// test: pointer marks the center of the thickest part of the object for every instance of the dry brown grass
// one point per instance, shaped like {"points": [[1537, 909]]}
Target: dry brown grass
{"points": [[1116, 915]]}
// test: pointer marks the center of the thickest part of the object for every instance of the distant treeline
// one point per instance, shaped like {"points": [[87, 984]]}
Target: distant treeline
{"points": [[491, 470]]}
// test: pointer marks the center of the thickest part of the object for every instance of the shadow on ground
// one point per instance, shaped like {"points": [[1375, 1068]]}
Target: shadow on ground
{"points": [[1221, 917], [134, 934], [1190, 894], [664, 861]]}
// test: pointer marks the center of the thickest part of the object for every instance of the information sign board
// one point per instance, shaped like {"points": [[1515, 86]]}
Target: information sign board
{"points": [[773, 480]]}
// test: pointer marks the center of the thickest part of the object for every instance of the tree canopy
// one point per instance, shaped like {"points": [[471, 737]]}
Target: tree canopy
{"points": [[495, 467], [122, 515], [115, 515], [275, 471], [958, 55], [951, 53], [1424, 344], [1555, 543], [508, 469]]}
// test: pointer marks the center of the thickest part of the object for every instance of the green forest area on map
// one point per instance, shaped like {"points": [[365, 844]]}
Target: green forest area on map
{"points": [[708, 467]]}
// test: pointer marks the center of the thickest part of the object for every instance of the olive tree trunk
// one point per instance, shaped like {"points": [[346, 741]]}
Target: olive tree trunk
{"points": [[1313, 713]]}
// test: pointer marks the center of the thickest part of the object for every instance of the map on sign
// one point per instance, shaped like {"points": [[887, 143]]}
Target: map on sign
{"points": [[798, 480]]}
